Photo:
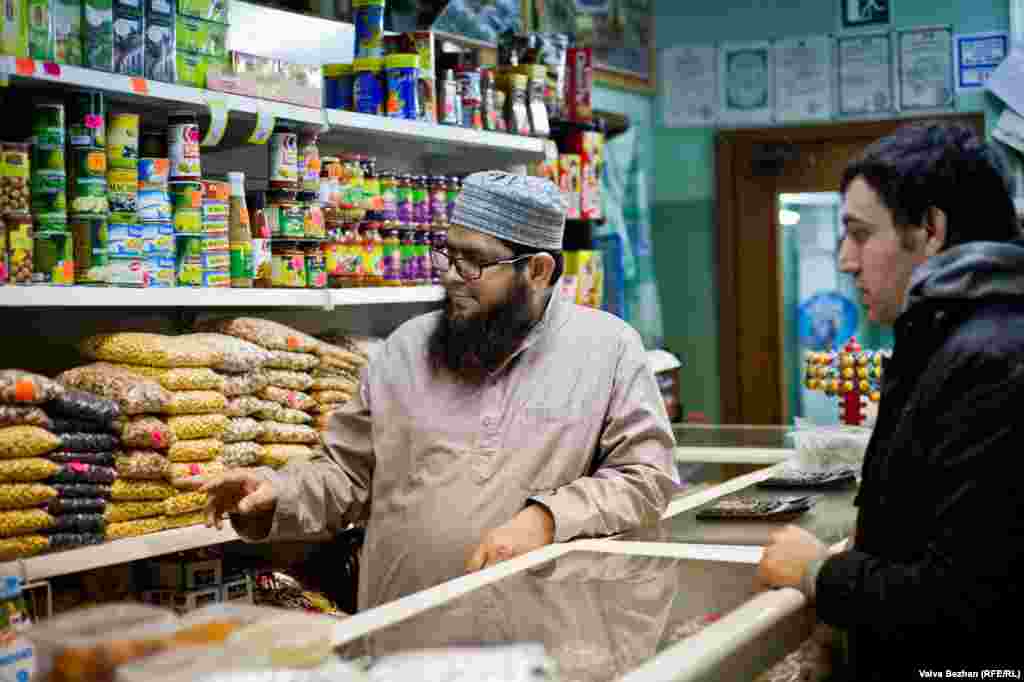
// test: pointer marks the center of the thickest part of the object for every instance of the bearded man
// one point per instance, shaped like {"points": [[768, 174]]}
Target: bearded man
{"points": [[510, 420]]}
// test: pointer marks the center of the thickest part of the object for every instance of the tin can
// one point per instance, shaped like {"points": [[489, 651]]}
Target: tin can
{"points": [[160, 272], [21, 250], [88, 162], [284, 161], [216, 190], [49, 201], [155, 205], [187, 207], [157, 239], [286, 219], [89, 196], [369, 21], [48, 124], [51, 222], [189, 264], [316, 268], [87, 120], [123, 142], [183, 147], [313, 222], [123, 189], [288, 266], [125, 240], [48, 158], [91, 244], [154, 173], [54, 260], [215, 214], [217, 241]]}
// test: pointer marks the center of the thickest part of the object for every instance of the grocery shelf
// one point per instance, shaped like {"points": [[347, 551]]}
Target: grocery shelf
{"points": [[181, 297], [117, 552]]}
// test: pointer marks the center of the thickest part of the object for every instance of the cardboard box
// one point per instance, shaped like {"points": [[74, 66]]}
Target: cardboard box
{"points": [[129, 44], [184, 575], [161, 52], [67, 30], [210, 10], [14, 29], [569, 179], [580, 84], [587, 267], [184, 602], [98, 34], [237, 591], [201, 37]]}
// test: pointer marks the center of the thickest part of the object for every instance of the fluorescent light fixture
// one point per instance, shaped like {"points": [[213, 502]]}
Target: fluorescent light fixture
{"points": [[788, 218]]}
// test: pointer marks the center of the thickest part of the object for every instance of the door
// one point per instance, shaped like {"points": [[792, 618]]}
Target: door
{"points": [[754, 169]]}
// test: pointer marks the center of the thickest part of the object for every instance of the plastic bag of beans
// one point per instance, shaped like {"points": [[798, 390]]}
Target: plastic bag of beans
{"points": [[76, 404], [119, 512], [197, 518], [26, 441], [89, 442], [25, 495], [181, 473], [287, 416], [23, 546], [76, 472], [103, 459], [243, 384], [278, 455], [18, 387], [247, 405], [63, 541], [296, 400], [300, 362], [24, 521], [181, 378], [27, 470], [331, 397], [237, 355], [132, 529], [79, 523], [153, 350], [135, 394], [124, 490], [335, 383], [185, 503], [76, 505], [245, 454], [196, 402], [282, 378], [16, 415], [142, 465], [61, 425], [241, 429], [201, 450], [193, 426], [265, 333], [147, 433], [322, 421], [90, 490]]}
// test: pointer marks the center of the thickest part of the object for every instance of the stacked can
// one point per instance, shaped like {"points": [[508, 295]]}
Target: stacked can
{"points": [[87, 185], [53, 248], [187, 213], [126, 243], [158, 234], [216, 253]]}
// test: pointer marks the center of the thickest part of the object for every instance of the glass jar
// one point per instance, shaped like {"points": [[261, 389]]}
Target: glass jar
{"points": [[372, 255], [284, 158], [371, 186], [452, 188], [422, 267], [389, 197], [316, 267], [14, 177], [438, 240], [407, 248], [404, 187], [351, 256], [420, 200], [288, 265], [352, 187], [314, 226], [309, 163], [438, 200], [285, 216], [21, 248], [330, 181], [391, 254]]}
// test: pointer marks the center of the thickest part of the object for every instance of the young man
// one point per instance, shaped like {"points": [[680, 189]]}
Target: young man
{"points": [[510, 420], [937, 563]]}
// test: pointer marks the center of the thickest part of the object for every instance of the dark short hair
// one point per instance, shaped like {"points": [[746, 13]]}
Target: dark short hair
{"points": [[522, 250], [946, 166]]}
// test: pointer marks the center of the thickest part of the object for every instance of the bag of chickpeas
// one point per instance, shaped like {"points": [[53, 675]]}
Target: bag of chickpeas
{"points": [[154, 350]]}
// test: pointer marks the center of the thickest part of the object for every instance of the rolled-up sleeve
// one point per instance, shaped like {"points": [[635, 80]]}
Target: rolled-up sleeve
{"points": [[320, 498], [634, 476]]}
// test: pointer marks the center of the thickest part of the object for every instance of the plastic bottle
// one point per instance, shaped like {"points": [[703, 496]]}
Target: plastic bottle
{"points": [[239, 234]]}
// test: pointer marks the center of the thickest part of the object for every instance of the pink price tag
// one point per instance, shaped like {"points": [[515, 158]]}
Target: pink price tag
{"points": [[51, 69], [292, 399], [78, 467], [93, 121], [157, 437], [194, 469]]}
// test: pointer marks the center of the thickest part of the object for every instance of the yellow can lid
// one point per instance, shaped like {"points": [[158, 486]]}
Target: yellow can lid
{"points": [[335, 70], [402, 61], [373, 64]]}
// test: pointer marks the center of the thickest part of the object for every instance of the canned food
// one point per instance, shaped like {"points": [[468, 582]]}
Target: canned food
{"points": [[51, 222], [14, 177], [157, 239], [91, 243], [288, 264], [44, 181], [124, 189], [286, 219], [123, 142], [284, 161], [313, 222], [48, 125], [217, 279], [54, 260], [125, 240], [49, 201], [154, 173], [89, 196], [89, 163], [188, 195], [86, 120], [316, 268], [160, 271], [183, 146], [188, 221], [48, 158], [21, 249], [215, 212], [216, 242], [216, 260], [215, 190], [155, 205]]}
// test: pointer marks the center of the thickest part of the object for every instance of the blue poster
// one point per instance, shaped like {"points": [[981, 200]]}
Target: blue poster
{"points": [[826, 320]]}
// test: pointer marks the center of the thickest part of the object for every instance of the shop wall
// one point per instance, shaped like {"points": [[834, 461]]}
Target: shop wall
{"points": [[683, 213]]}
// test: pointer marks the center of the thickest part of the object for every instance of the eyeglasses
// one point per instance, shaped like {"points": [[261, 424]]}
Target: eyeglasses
{"points": [[467, 269]]}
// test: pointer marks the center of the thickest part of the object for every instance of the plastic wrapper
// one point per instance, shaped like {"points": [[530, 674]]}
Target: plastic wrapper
{"points": [[325, 370], [243, 384], [135, 394], [147, 433], [62, 425], [197, 518], [88, 645], [26, 441], [276, 432], [76, 505], [153, 350], [119, 512], [76, 472], [25, 495], [76, 404], [196, 402], [23, 522], [18, 387], [283, 378], [185, 503], [300, 362], [245, 454], [277, 455], [322, 421], [332, 356], [181, 473], [356, 344], [62, 541], [27, 470], [142, 465], [289, 416], [237, 355], [296, 400], [268, 412], [241, 429], [335, 383], [194, 426], [181, 378], [135, 528], [267, 333], [124, 490], [16, 415], [826, 448], [247, 405], [103, 459], [89, 442], [23, 546], [331, 397], [89, 490], [80, 523], [201, 450]]}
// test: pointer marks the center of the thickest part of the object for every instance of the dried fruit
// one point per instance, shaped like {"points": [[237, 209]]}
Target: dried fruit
{"points": [[147, 433], [133, 393], [27, 470], [241, 429], [18, 387], [132, 491], [237, 355], [244, 454], [119, 512], [131, 529], [142, 465]]}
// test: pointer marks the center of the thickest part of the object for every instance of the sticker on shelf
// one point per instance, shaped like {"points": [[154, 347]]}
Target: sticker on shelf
{"points": [[218, 122], [140, 86], [51, 69], [265, 122], [25, 66]]}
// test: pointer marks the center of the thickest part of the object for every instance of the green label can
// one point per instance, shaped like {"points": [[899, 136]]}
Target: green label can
{"points": [[54, 260], [48, 158], [123, 142], [49, 202], [48, 125], [91, 244], [89, 196]]}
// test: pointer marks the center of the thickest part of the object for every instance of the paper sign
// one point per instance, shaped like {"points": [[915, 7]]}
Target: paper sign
{"points": [[51, 69], [745, 89], [1010, 130], [803, 79], [865, 75], [25, 67], [689, 82], [218, 123], [977, 55], [1005, 82], [926, 72], [264, 125], [140, 86]]}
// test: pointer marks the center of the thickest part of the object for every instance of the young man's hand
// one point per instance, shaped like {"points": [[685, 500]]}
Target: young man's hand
{"points": [[786, 558], [531, 529]]}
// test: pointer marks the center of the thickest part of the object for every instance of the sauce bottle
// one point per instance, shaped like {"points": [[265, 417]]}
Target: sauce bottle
{"points": [[239, 234]]}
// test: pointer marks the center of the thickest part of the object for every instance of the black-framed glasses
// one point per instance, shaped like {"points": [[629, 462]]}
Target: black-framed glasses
{"points": [[467, 269]]}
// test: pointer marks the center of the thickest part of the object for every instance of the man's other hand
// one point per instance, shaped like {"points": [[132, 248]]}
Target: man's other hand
{"points": [[531, 529]]}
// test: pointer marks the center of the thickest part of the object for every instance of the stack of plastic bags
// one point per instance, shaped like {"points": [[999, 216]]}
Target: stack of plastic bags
{"points": [[336, 381]]}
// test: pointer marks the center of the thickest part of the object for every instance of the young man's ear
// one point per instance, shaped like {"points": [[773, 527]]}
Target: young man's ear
{"points": [[935, 230]]}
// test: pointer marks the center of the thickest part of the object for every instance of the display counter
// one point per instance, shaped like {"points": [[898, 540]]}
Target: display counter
{"points": [[714, 452]]}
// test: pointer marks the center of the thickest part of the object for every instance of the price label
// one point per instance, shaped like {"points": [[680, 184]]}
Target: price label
{"points": [[25, 67], [264, 126], [51, 69], [218, 122], [140, 86]]}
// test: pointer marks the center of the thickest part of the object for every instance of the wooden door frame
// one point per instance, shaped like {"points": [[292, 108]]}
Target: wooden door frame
{"points": [[727, 147]]}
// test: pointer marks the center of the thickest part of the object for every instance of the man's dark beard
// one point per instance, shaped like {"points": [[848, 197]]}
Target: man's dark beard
{"points": [[472, 347]]}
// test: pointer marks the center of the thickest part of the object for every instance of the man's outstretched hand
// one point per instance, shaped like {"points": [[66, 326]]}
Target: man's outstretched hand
{"points": [[236, 492], [531, 529]]}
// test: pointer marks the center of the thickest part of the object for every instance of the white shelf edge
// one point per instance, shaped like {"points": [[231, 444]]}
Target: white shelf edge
{"points": [[686, 454], [117, 552], [185, 297]]}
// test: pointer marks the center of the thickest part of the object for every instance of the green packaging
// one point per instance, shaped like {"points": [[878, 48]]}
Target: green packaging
{"points": [[67, 30], [40, 30], [202, 37], [54, 259], [192, 67], [210, 10], [99, 34], [13, 29], [161, 63], [129, 44]]}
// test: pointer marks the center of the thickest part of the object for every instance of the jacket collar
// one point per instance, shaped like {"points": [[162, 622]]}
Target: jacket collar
{"points": [[970, 272]]}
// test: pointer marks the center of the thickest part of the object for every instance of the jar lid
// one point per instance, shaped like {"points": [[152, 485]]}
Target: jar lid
{"points": [[369, 64], [402, 61], [335, 70]]}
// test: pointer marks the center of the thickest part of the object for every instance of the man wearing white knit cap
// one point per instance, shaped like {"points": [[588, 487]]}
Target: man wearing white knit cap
{"points": [[510, 420]]}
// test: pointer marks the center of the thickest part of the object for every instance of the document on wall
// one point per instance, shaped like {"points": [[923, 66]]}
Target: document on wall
{"points": [[977, 56], [1007, 81], [865, 75], [1010, 130], [689, 86], [803, 79], [745, 91], [926, 68]]}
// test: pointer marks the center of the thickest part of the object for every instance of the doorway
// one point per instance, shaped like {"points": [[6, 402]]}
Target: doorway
{"points": [[760, 174]]}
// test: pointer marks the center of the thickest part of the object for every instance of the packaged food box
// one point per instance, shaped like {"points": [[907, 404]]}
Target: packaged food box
{"points": [[125, 241], [569, 178], [580, 84], [125, 272], [14, 29], [589, 145], [67, 30], [174, 574], [41, 44], [161, 57], [201, 37], [160, 9], [158, 239], [216, 260], [129, 44], [217, 279], [588, 270], [98, 36], [192, 68], [160, 271], [192, 600], [211, 10]]}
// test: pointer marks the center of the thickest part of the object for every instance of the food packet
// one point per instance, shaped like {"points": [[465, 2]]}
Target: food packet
{"points": [[26, 441], [266, 333], [196, 402], [76, 505], [76, 472], [133, 393], [86, 406], [181, 378], [25, 495], [241, 429], [278, 455], [300, 362], [135, 528], [153, 350], [18, 387], [23, 522], [244, 454], [89, 490], [15, 415], [250, 383], [194, 426], [276, 432], [147, 433], [134, 491], [103, 459], [61, 425], [296, 400], [27, 470], [119, 512], [142, 465], [283, 378], [237, 355], [195, 450], [89, 442]]}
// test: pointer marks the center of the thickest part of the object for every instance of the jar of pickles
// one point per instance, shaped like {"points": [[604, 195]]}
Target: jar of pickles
{"points": [[403, 194], [438, 200], [372, 255], [21, 248], [371, 186], [316, 267], [420, 199], [388, 197], [330, 181], [352, 188], [391, 251], [288, 263], [314, 226], [350, 257], [285, 215], [14, 177]]}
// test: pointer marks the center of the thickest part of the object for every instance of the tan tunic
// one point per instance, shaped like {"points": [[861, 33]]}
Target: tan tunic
{"points": [[573, 420]]}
